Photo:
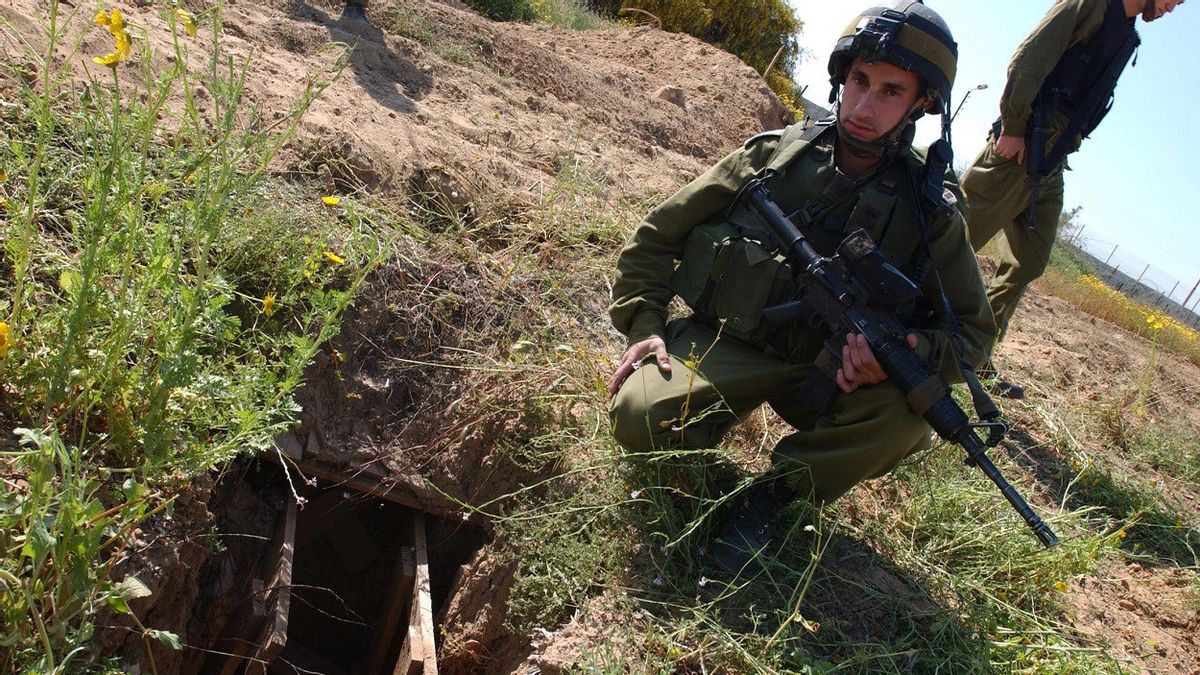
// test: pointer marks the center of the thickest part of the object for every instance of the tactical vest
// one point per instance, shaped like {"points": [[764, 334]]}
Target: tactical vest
{"points": [[1082, 84], [731, 269]]}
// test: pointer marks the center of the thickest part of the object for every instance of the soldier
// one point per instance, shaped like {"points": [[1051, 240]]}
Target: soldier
{"points": [[1060, 85], [853, 170]]}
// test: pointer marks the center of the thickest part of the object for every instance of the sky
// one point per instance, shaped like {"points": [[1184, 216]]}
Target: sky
{"points": [[1135, 176]]}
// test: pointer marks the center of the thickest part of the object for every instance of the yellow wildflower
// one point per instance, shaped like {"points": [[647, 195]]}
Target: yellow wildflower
{"points": [[124, 44], [334, 258], [1061, 586], [188, 21], [5, 342], [3, 176], [1155, 321], [1121, 533], [268, 304], [331, 201]]}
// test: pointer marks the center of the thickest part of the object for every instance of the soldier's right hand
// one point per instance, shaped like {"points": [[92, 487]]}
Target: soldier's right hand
{"points": [[633, 357], [1011, 147]]}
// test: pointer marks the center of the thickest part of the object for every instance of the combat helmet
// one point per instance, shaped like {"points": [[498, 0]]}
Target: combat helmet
{"points": [[910, 36]]}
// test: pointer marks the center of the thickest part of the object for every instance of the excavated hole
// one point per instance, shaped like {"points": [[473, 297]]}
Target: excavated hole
{"points": [[345, 596]]}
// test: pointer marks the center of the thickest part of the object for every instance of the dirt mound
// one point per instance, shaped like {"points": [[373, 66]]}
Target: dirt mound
{"points": [[435, 101]]}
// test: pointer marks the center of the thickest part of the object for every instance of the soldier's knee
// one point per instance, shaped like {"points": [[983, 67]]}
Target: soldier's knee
{"points": [[632, 421]]}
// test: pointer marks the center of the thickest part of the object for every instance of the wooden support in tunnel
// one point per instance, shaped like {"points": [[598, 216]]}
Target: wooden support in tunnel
{"points": [[405, 490], [418, 655], [278, 572], [398, 595]]}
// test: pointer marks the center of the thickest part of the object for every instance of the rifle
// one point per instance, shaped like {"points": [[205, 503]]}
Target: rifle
{"points": [[857, 291], [1035, 155]]}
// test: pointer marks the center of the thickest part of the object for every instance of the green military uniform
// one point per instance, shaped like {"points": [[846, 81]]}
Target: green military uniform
{"points": [[996, 189], [687, 246]]}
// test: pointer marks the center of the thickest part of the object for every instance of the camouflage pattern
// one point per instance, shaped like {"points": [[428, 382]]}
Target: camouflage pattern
{"points": [[868, 431]]}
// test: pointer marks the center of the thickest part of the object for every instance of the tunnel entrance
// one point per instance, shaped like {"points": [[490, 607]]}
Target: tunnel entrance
{"points": [[350, 582]]}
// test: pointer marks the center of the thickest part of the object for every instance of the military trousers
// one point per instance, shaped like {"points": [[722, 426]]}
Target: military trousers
{"points": [[996, 192], [864, 435]]}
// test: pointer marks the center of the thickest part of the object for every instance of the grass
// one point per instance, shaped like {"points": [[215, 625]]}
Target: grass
{"points": [[146, 337], [928, 570]]}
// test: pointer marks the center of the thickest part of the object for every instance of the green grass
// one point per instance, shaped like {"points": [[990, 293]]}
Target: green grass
{"points": [[156, 324]]}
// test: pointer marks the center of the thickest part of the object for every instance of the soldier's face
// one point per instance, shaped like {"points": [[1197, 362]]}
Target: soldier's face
{"points": [[877, 97], [1156, 9]]}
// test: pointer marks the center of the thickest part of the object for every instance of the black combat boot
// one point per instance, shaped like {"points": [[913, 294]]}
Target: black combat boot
{"points": [[354, 12], [747, 529], [999, 385]]}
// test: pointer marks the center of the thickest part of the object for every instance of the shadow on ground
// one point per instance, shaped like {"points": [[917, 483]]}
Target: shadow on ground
{"points": [[1153, 532]]}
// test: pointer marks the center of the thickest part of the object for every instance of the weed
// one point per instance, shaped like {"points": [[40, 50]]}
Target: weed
{"points": [[145, 338]]}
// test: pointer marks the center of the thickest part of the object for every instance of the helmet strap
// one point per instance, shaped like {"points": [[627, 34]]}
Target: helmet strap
{"points": [[888, 146]]}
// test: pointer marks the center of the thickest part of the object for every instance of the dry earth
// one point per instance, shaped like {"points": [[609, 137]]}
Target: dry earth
{"points": [[486, 115]]}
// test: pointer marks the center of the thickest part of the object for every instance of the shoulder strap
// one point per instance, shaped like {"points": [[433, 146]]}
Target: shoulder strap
{"points": [[794, 141], [1094, 101]]}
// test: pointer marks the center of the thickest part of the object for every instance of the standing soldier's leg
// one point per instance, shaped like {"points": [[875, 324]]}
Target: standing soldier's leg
{"points": [[864, 435], [995, 191], [1025, 252]]}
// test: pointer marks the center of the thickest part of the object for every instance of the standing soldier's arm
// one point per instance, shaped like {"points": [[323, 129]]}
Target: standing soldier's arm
{"points": [[1067, 23]]}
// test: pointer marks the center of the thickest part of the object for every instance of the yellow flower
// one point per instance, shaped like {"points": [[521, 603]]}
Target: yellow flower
{"points": [[1061, 586], [188, 21], [331, 201], [123, 43], [3, 176], [5, 342], [334, 258], [268, 304], [1121, 533]]}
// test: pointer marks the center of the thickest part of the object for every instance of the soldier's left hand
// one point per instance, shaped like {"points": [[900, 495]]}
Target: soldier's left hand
{"points": [[859, 365]]}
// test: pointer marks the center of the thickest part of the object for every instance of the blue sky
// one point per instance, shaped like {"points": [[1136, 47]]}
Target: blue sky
{"points": [[1135, 177]]}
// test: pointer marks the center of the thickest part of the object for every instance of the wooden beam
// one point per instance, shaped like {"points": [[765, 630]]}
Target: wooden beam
{"points": [[418, 656], [279, 596], [399, 594], [405, 490]]}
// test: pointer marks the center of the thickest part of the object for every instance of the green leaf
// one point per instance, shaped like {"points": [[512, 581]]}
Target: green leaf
{"points": [[166, 637], [132, 588], [38, 542]]}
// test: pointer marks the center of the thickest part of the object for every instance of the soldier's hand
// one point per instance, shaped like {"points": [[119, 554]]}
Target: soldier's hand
{"points": [[859, 365], [631, 360], [1011, 147]]}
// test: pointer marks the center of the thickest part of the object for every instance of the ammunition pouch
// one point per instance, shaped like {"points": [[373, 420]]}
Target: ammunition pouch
{"points": [[728, 279]]}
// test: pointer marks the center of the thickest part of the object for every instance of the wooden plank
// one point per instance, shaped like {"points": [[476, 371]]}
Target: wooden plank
{"points": [[279, 593], [409, 491], [418, 656], [399, 594]]}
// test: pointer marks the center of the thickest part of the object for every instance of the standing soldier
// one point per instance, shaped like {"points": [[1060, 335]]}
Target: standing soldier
{"points": [[1060, 85], [854, 170]]}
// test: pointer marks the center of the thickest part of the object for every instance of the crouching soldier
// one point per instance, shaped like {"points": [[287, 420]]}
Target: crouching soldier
{"points": [[853, 171]]}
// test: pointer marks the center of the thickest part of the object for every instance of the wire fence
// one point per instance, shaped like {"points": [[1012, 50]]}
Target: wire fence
{"points": [[1140, 280]]}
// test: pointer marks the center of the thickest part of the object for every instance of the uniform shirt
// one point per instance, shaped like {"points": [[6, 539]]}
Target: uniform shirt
{"points": [[1069, 22], [642, 287]]}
